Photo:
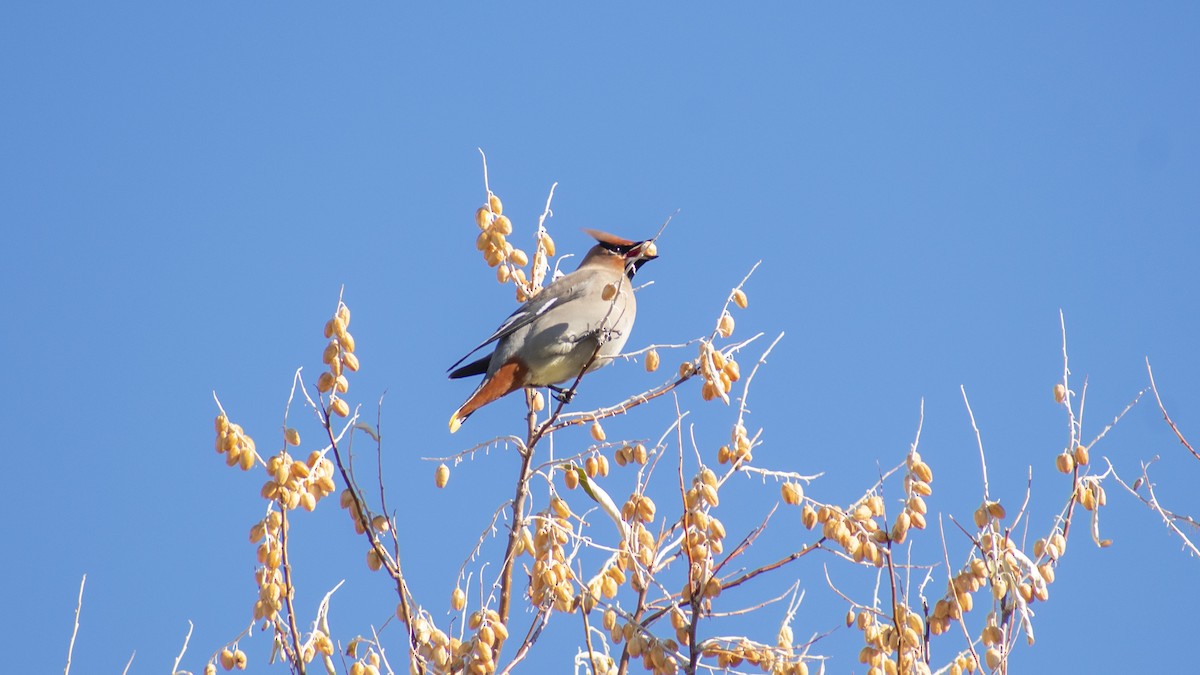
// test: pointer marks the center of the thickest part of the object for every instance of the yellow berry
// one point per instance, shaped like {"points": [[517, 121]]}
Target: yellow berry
{"points": [[502, 225], [325, 382], [993, 658], [792, 493], [652, 360], [725, 325], [1065, 462], [1081, 455], [733, 370], [483, 217], [339, 407], [338, 326], [330, 353], [622, 455]]}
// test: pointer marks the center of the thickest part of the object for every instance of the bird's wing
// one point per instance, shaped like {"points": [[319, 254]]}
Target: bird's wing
{"points": [[548, 299]]}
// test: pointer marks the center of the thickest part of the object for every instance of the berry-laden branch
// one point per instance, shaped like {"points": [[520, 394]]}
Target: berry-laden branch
{"points": [[664, 576]]}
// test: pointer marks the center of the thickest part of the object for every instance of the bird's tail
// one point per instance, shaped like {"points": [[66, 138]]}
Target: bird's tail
{"points": [[506, 379]]}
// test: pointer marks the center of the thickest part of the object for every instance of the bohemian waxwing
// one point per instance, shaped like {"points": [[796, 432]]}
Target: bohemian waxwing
{"points": [[550, 338]]}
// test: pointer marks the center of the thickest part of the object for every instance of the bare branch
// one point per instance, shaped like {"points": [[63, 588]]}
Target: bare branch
{"points": [[75, 631], [979, 440], [950, 580], [535, 629], [1169, 519], [186, 640], [1167, 417], [1066, 401], [288, 593]]}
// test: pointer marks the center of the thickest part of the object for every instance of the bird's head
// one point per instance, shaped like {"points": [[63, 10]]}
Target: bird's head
{"points": [[631, 254]]}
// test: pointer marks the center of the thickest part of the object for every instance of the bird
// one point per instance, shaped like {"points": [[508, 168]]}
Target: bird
{"points": [[551, 337]]}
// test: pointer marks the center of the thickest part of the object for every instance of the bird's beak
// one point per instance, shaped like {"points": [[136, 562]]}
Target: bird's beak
{"points": [[639, 254], [643, 250]]}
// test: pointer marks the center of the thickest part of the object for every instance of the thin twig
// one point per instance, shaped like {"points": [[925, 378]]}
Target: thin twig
{"points": [[762, 359], [587, 637], [383, 508], [979, 440], [747, 576], [392, 565], [383, 654], [186, 640], [541, 265], [1169, 518], [288, 592], [950, 579], [75, 631], [1066, 385], [747, 541], [535, 629], [485, 175], [729, 298], [1167, 417], [695, 586], [506, 570]]}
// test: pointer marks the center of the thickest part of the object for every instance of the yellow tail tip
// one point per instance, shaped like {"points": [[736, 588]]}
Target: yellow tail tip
{"points": [[455, 422]]}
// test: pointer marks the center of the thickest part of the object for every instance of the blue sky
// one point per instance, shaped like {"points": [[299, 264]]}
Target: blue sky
{"points": [[185, 188]]}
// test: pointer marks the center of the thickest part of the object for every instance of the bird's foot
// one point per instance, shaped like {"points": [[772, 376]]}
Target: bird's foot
{"points": [[562, 395], [609, 334], [602, 335]]}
